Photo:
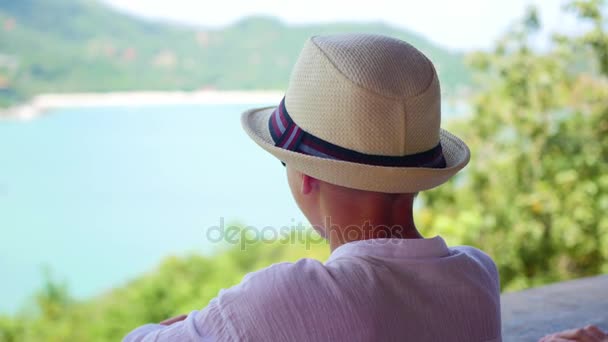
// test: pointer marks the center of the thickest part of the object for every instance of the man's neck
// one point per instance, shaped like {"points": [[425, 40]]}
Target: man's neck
{"points": [[343, 229], [351, 215]]}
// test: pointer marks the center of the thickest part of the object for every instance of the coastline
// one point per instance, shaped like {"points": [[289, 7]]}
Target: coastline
{"points": [[45, 102]]}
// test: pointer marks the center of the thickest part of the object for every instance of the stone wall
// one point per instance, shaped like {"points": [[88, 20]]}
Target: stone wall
{"points": [[531, 314]]}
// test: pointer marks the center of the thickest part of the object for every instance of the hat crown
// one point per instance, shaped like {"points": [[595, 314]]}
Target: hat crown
{"points": [[368, 93], [384, 65]]}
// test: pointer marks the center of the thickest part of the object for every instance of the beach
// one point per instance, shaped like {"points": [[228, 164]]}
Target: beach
{"points": [[44, 102]]}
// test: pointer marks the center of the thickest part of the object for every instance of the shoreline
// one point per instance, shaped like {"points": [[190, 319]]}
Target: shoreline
{"points": [[42, 103]]}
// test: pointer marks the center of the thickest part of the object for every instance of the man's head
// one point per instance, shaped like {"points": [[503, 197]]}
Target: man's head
{"points": [[359, 128], [351, 214]]}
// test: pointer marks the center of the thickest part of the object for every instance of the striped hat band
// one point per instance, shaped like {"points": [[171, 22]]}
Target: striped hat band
{"points": [[288, 135]]}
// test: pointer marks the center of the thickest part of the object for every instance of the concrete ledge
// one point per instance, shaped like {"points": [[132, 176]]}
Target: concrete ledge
{"points": [[531, 314]]}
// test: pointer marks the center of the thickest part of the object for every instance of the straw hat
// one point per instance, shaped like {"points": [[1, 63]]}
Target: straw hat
{"points": [[361, 111]]}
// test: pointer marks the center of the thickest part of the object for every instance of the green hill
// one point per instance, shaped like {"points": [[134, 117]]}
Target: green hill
{"points": [[82, 45]]}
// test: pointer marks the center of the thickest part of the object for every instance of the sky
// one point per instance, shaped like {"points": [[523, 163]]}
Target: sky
{"points": [[456, 24]]}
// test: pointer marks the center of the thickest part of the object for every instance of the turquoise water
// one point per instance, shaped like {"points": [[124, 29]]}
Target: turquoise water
{"points": [[101, 195]]}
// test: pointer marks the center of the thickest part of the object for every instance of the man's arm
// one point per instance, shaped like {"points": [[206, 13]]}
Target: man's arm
{"points": [[152, 330], [181, 328], [243, 305], [173, 320], [147, 332], [589, 333]]}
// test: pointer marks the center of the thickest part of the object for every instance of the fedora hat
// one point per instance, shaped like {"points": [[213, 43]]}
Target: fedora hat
{"points": [[361, 111]]}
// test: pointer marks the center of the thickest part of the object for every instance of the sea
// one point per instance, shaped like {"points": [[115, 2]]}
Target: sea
{"points": [[94, 197]]}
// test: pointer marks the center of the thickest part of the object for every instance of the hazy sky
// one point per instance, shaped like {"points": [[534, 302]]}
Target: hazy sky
{"points": [[459, 24]]}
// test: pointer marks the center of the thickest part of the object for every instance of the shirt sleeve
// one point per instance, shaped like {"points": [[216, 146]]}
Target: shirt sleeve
{"points": [[209, 324], [486, 263], [200, 325], [144, 333]]}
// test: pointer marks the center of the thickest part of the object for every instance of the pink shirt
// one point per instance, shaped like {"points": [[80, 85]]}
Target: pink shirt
{"points": [[372, 290]]}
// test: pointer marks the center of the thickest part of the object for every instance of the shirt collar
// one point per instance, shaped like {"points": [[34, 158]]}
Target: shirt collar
{"points": [[394, 248]]}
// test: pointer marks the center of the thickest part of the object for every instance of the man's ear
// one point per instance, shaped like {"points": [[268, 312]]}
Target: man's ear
{"points": [[308, 184]]}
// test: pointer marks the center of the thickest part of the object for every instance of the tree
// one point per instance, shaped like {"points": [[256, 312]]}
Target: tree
{"points": [[536, 191]]}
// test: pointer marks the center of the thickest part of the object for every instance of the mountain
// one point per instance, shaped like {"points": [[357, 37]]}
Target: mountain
{"points": [[83, 45]]}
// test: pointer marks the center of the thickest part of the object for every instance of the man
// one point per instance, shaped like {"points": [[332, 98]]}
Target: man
{"points": [[359, 133]]}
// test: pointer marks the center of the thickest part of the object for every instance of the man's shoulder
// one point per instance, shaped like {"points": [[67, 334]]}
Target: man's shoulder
{"points": [[286, 271], [279, 280], [473, 252], [478, 258], [267, 295]]}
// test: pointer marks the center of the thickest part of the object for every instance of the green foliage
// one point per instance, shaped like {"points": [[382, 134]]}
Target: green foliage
{"points": [[80, 45], [536, 192]]}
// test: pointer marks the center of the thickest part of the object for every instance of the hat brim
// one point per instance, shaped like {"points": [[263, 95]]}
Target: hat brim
{"points": [[388, 179]]}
